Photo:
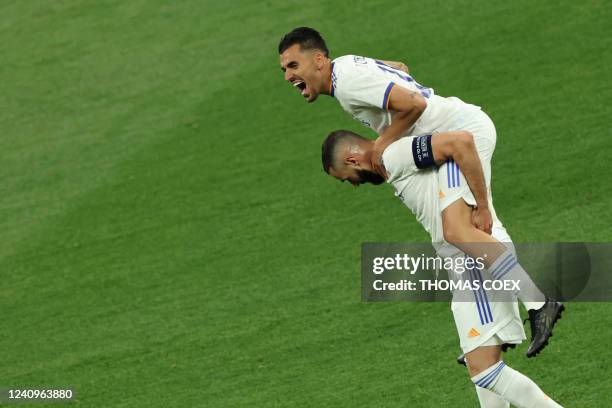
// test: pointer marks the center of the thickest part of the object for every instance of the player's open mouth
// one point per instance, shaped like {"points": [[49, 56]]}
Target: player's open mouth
{"points": [[301, 85]]}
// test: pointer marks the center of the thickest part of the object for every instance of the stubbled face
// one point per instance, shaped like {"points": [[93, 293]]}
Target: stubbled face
{"points": [[303, 70], [356, 176]]}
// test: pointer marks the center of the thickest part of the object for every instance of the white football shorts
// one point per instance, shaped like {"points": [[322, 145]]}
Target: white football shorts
{"points": [[480, 321], [450, 178]]}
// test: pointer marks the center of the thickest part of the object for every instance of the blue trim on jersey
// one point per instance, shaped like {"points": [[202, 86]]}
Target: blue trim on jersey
{"points": [[385, 103], [448, 173]]}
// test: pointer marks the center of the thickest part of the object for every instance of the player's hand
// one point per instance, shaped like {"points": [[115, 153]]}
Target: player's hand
{"points": [[402, 67], [379, 147], [397, 65], [482, 219]]}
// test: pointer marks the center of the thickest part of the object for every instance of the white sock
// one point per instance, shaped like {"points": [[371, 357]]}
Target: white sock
{"points": [[506, 267], [514, 387], [489, 399]]}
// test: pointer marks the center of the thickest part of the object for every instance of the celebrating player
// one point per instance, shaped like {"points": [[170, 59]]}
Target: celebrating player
{"points": [[484, 327], [389, 101]]}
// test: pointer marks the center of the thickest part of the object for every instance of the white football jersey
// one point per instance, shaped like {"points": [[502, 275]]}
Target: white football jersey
{"points": [[417, 188], [362, 86]]}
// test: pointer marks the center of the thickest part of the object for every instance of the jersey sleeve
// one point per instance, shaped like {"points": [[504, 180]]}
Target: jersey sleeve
{"points": [[362, 87], [399, 158]]}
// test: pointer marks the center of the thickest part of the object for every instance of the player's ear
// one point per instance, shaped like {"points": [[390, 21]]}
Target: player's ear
{"points": [[319, 59], [352, 161]]}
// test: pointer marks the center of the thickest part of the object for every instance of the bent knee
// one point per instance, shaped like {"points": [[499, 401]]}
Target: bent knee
{"points": [[479, 365], [451, 233], [482, 359], [454, 229], [456, 222]]}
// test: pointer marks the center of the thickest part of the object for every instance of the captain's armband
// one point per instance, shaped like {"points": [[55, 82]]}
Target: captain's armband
{"points": [[422, 153]]}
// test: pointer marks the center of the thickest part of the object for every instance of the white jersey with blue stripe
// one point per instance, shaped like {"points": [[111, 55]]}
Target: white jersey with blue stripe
{"points": [[363, 85]]}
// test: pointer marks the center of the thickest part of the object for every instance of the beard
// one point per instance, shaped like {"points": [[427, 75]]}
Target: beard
{"points": [[366, 176]]}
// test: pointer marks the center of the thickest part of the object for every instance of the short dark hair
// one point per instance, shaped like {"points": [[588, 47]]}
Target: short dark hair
{"points": [[328, 150], [308, 38]]}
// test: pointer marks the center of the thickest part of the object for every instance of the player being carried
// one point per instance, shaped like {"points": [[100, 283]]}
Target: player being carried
{"points": [[385, 98]]}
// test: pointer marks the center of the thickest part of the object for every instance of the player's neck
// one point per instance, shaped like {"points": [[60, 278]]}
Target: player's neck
{"points": [[367, 156], [327, 78]]}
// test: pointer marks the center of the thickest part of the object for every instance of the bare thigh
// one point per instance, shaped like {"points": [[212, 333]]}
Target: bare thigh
{"points": [[482, 358]]}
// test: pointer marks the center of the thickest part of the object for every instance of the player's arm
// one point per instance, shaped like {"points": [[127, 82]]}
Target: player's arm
{"points": [[407, 106], [397, 65], [460, 147]]}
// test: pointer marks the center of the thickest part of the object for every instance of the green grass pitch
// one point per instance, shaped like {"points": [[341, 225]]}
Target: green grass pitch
{"points": [[170, 240]]}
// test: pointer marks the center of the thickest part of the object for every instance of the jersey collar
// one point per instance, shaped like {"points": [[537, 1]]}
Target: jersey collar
{"points": [[332, 85]]}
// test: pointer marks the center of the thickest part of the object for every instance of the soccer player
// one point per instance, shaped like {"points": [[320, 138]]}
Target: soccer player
{"points": [[411, 165], [389, 101]]}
